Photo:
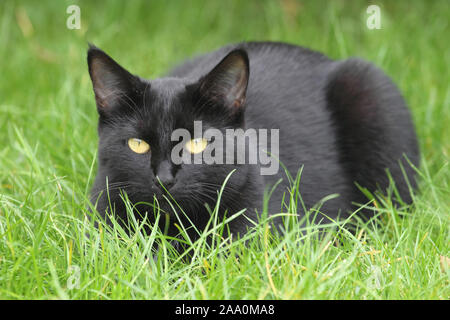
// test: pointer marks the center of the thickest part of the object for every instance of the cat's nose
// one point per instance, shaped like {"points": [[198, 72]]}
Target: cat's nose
{"points": [[164, 175]]}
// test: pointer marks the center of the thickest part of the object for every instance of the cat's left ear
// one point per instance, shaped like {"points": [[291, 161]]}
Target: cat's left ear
{"points": [[110, 81], [227, 82]]}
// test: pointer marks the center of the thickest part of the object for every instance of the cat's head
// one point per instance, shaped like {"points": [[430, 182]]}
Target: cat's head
{"points": [[137, 118]]}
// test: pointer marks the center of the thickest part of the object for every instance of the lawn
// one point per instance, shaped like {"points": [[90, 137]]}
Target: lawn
{"points": [[49, 140]]}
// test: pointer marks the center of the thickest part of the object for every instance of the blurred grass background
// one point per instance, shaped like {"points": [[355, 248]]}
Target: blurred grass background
{"points": [[48, 116]]}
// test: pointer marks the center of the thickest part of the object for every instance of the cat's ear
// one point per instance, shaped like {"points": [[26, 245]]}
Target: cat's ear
{"points": [[110, 81], [227, 82]]}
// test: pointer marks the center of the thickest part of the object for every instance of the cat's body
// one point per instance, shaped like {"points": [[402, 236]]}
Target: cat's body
{"points": [[343, 121]]}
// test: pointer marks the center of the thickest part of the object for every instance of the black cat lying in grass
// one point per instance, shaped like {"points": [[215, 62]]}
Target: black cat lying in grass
{"points": [[345, 122]]}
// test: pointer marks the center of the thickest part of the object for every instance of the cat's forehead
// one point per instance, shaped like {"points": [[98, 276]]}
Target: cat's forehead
{"points": [[165, 92], [164, 99]]}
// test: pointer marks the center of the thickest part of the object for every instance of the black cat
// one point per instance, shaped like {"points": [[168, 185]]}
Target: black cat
{"points": [[345, 122]]}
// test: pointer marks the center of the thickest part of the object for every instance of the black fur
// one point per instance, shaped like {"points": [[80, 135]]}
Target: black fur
{"points": [[344, 121]]}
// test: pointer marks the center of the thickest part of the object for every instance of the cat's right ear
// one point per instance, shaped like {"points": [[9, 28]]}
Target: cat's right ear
{"points": [[111, 82], [226, 84]]}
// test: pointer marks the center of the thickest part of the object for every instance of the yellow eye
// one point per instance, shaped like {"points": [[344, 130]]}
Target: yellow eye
{"points": [[196, 145], [138, 145]]}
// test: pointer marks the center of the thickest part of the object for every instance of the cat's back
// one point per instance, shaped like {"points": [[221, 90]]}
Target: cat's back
{"points": [[266, 58], [343, 121]]}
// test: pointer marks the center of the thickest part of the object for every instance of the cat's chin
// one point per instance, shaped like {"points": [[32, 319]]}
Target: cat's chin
{"points": [[173, 202]]}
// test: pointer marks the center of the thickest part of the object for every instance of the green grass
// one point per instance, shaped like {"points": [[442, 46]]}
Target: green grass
{"points": [[48, 137]]}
